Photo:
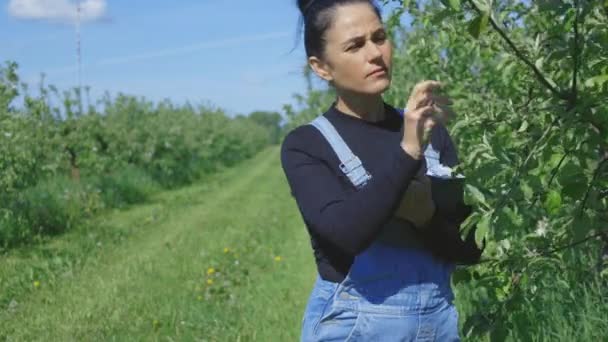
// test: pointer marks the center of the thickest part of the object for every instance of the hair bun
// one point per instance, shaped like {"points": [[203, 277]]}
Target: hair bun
{"points": [[304, 5]]}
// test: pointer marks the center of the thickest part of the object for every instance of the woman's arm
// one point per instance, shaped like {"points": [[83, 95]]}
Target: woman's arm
{"points": [[349, 220], [417, 205]]}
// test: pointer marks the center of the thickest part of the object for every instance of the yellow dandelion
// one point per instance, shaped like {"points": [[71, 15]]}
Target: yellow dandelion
{"points": [[209, 281], [36, 284], [226, 249], [277, 258], [210, 270]]}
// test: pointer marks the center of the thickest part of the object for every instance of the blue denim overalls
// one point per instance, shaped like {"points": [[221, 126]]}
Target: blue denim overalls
{"points": [[393, 291]]}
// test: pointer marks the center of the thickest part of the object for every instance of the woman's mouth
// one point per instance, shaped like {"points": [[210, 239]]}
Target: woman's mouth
{"points": [[377, 72]]}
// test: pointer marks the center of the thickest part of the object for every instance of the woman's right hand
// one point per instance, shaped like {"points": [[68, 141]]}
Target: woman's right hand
{"points": [[425, 108]]}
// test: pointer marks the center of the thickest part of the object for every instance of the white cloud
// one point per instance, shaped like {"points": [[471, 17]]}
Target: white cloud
{"points": [[57, 10]]}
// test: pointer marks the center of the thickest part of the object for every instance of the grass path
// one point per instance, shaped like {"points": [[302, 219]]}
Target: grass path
{"points": [[148, 276]]}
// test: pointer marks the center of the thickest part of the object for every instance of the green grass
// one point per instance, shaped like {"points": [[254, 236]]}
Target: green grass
{"points": [[140, 273]]}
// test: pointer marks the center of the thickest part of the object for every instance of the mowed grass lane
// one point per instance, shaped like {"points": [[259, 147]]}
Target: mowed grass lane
{"points": [[222, 261]]}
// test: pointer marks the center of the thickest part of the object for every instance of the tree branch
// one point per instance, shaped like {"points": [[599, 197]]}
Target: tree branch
{"points": [[576, 243], [595, 174], [551, 250], [525, 105], [575, 56], [521, 56], [520, 170], [553, 174]]}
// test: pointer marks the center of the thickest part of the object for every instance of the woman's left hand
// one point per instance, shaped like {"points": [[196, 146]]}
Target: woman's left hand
{"points": [[417, 204], [430, 93]]}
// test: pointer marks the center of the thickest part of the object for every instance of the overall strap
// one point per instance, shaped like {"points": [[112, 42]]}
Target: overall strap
{"points": [[350, 164]]}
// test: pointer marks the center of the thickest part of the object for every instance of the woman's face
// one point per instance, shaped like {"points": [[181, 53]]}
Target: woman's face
{"points": [[358, 51]]}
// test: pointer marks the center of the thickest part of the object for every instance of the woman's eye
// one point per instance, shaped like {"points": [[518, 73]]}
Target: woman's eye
{"points": [[354, 47], [381, 38]]}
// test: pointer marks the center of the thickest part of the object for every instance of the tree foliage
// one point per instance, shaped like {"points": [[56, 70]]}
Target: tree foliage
{"points": [[530, 86], [61, 158]]}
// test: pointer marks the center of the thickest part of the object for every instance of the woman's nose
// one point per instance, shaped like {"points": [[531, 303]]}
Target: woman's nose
{"points": [[374, 52]]}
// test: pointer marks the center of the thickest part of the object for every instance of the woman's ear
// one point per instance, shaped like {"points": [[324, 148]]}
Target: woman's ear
{"points": [[320, 68]]}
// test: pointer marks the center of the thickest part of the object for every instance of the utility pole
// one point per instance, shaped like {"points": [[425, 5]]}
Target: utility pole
{"points": [[78, 57]]}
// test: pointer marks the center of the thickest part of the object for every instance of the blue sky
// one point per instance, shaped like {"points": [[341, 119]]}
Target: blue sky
{"points": [[232, 54]]}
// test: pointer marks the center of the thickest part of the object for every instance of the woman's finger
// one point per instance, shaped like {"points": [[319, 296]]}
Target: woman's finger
{"points": [[443, 113], [426, 121], [425, 111], [427, 86], [436, 112], [442, 100], [429, 100]]}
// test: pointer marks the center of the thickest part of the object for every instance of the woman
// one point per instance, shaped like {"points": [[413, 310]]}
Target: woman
{"points": [[376, 280]]}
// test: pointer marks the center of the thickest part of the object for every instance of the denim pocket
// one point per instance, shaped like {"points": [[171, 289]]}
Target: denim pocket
{"points": [[319, 302], [338, 324]]}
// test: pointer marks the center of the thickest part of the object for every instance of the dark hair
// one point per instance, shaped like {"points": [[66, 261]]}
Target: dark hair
{"points": [[317, 16]]}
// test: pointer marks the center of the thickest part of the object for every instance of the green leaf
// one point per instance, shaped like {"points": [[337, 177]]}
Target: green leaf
{"points": [[596, 81], [554, 160], [477, 25], [499, 333], [573, 180], [514, 216], [483, 5], [454, 4], [483, 227], [580, 227], [461, 275], [551, 81], [477, 195], [476, 324], [526, 190], [539, 63], [439, 17], [574, 190], [553, 202], [523, 127]]}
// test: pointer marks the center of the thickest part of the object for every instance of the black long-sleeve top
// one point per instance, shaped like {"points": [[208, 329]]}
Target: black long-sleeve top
{"points": [[341, 220]]}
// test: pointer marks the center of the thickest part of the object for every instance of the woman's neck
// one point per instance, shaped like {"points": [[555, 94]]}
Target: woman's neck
{"points": [[368, 108]]}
